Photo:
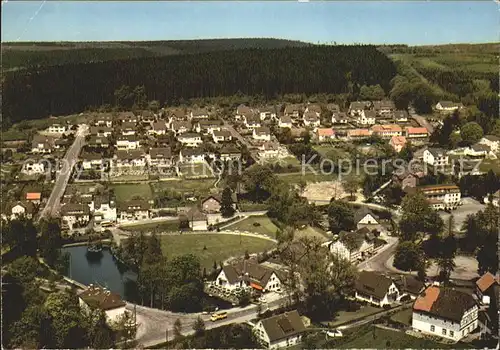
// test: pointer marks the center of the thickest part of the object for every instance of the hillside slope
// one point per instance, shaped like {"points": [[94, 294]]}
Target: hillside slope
{"points": [[30, 54]]}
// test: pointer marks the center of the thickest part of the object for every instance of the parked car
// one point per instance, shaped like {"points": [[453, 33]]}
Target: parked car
{"points": [[334, 333]]}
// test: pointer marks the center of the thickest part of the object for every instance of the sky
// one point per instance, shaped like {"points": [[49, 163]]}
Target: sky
{"points": [[376, 22]]}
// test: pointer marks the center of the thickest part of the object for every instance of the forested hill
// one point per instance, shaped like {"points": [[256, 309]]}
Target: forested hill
{"points": [[30, 54], [71, 88]]}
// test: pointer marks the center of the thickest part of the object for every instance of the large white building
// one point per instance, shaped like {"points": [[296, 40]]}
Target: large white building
{"points": [[445, 313], [280, 331], [442, 197], [435, 157], [190, 139]]}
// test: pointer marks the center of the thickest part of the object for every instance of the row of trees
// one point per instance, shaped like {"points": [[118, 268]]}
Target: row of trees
{"points": [[66, 89], [175, 284]]}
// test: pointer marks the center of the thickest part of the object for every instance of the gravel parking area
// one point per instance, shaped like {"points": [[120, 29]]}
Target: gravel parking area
{"points": [[469, 206]]}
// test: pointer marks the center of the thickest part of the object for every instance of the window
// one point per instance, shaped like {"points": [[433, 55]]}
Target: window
{"points": [[444, 331], [433, 328], [452, 334]]}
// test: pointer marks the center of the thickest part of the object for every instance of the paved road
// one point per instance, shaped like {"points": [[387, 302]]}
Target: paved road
{"points": [[52, 206], [422, 121], [156, 325], [379, 261]]}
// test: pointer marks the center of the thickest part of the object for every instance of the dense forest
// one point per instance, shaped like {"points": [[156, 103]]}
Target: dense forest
{"points": [[32, 54], [56, 90]]}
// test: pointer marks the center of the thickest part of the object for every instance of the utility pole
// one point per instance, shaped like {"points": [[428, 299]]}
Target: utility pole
{"points": [[166, 338]]}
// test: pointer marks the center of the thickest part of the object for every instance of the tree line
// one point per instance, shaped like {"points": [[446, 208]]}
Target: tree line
{"points": [[65, 89]]}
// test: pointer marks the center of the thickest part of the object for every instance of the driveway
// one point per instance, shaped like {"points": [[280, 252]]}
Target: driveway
{"points": [[469, 206]]}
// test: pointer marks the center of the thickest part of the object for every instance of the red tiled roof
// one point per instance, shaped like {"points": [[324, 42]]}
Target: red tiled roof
{"points": [[486, 281], [421, 130], [424, 302], [398, 140], [33, 196], [386, 127], [326, 132]]}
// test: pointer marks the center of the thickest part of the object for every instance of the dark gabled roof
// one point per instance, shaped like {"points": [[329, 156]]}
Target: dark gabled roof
{"points": [[230, 149], [242, 109], [370, 114], [479, 147], [409, 284], [262, 130], [146, 114], [444, 303], [283, 326], [160, 153], [160, 125], [91, 156], [373, 283], [129, 206], [401, 114], [437, 152], [97, 297], [75, 209], [361, 213], [97, 140], [223, 133], [199, 112], [190, 152], [194, 214], [209, 123], [248, 270], [384, 104], [177, 124], [188, 135], [352, 240], [311, 116], [358, 105], [130, 154]]}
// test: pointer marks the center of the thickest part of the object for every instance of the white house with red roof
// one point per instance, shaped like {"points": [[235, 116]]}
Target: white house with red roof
{"points": [[325, 134]]}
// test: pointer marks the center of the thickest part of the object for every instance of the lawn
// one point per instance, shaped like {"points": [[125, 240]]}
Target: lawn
{"points": [[377, 338], [310, 232], [213, 247], [265, 226], [124, 192], [347, 316], [165, 226], [196, 170], [490, 164], [403, 316], [295, 178], [199, 185]]}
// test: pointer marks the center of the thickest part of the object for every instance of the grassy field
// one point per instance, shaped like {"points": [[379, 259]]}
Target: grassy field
{"points": [[199, 185], [219, 247], [377, 338], [474, 62], [196, 170], [347, 316], [124, 192], [295, 178], [488, 164], [166, 226], [403, 316], [265, 227], [310, 231]]}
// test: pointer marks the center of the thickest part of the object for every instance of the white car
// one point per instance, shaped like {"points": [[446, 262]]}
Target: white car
{"points": [[334, 333]]}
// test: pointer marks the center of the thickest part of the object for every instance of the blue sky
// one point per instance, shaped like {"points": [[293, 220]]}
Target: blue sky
{"points": [[412, 22]]}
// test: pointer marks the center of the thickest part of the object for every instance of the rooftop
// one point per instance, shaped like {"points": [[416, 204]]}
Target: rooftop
{"points": [[101, 298], [283, 326], [445, 303]]}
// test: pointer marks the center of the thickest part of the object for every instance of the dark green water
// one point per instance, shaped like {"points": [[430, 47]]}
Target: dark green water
{"points": [[103, 271]]}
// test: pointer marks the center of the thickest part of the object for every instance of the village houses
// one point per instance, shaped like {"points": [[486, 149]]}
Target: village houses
{"points": [[133, 210], [397, 143], [491, 141], [75, 215], [436, 157], [375, 288], [160, 157], [110, 303], [325, 134], [124, 143], [57, 129], [20, 209], [191, 155], [448, 106], [285, 122], [387, 131], [262, 134], [222, 136], [249, 274]]}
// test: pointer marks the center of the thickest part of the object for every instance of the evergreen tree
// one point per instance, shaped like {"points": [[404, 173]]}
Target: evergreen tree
{"points": [[227, 208]]}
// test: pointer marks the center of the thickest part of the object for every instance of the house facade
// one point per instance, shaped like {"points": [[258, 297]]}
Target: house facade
{"points": [[376, 289], [387, 131], [133, 210], [435, 157], [416, 133], [190, 139], [57, 129], [492, 141], [448, 106], [446, 313], [249, 274], [160, 157], [366, 117], [75, 215], [325, 134], [442, 197], [285, 122], [191, 155], [280, 331], [261, 134], [352, 246]]}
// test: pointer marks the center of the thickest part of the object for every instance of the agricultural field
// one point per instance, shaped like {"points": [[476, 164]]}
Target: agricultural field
{"points": [[257, 224], [473, 62], [213, 247], [296, 178], [311, 232]]}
